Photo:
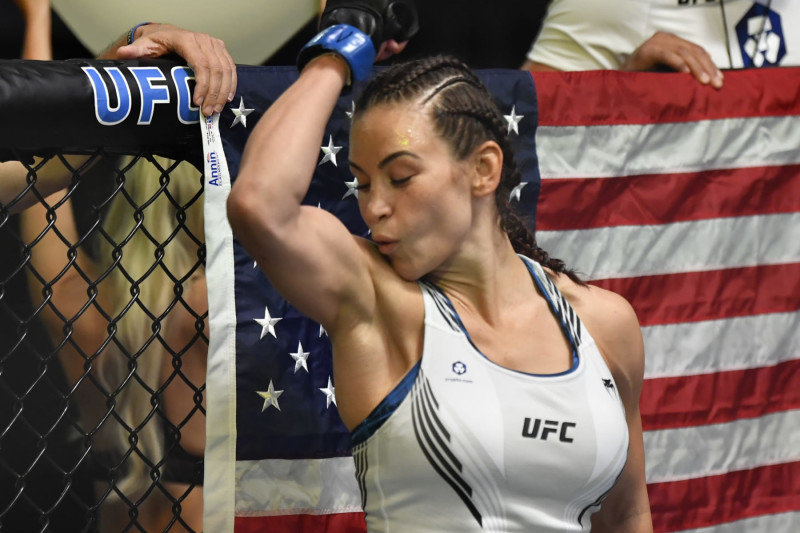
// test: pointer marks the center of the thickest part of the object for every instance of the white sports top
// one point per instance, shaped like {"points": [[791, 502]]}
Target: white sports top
{"points": [[463, 444]]}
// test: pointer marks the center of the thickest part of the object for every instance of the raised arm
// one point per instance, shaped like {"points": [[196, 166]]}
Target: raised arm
{"points": [[37, 43], [305, 251]]}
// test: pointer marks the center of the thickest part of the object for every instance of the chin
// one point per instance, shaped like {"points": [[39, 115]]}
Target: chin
{"points": [[405, 271]]}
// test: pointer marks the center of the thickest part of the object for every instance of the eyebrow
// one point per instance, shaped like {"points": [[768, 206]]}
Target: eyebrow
{"points": [[388, 159]]}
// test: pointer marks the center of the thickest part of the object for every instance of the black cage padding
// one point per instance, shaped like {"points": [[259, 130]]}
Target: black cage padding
{"points": [[49, 106]]}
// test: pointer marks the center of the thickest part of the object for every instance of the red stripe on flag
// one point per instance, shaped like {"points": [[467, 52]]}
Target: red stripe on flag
{"points": [[710, 295], [707, 501], [301, 523], [719, 397], [582, 203], [606, 97]]}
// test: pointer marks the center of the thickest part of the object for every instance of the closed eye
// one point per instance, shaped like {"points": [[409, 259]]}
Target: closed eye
{"points": [[401, 181]]}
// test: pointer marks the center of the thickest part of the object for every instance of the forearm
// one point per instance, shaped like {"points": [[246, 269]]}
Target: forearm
{"points": [[38, 40], [49, 178], [281, 153]]}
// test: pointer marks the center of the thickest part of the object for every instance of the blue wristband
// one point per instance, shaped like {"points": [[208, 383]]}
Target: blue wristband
{"points": [[349, 42], [132, 31]]}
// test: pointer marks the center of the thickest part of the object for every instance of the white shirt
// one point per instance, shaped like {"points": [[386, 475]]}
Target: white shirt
{"points": [[602, 34]]}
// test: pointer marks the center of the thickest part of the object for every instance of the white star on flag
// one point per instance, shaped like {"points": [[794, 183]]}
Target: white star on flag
{"points": [[270, 397], [352, 188], [300, 357], [330, 395], [322, 331], [240, 113], [352, 110], [330, 152], [513, 120], [267, 324], [516, 192]]}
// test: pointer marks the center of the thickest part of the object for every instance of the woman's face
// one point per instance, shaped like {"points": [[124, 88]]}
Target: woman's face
{"points": [[414, 197]]}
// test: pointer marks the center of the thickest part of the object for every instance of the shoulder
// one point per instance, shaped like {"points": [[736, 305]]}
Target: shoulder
{"points": [[613, 324]]}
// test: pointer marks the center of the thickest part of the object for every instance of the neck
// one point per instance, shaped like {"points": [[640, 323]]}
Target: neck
{"points": [[485, 277]]}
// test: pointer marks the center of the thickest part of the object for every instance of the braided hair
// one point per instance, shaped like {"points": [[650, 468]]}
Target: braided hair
{"points": [[464, 115]]}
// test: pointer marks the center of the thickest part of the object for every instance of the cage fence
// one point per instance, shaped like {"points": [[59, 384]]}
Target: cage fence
{"points": [[103, 320]]}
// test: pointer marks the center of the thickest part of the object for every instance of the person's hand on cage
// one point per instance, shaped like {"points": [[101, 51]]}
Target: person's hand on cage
{"points": [[214, 68]]}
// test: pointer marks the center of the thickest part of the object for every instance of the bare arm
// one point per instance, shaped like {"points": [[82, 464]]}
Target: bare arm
{"points": [[615, 327], [38, 24], [13, 175], [306, 252], [50, 178], [54, 279]]}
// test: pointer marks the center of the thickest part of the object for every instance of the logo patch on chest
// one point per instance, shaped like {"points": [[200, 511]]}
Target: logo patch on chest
{"points": [[458, 370], [537, 428]]}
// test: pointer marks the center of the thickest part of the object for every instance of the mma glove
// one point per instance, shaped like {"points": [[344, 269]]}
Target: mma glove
{"points": [[355, 30], [381, 20]]}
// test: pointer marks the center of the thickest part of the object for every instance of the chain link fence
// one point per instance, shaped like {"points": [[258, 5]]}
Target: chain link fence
{"points": [[103, 343]]}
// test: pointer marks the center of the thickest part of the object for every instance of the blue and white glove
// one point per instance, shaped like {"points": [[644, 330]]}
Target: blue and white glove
{"points": [[355, 30]]}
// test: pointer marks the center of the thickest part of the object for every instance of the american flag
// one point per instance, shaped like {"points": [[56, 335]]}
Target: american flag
{"points": [[686, 201], [277, 455], [683, 199]]}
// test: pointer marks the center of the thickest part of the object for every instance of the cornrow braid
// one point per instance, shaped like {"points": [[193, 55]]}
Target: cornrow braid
{"points": [[464, 114]]}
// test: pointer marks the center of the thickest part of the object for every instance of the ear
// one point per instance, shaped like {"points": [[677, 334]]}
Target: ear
{"points": [[487, 160]]}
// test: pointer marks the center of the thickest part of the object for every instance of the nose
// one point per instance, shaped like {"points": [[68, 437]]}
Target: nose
{"points": [[375, 206]]}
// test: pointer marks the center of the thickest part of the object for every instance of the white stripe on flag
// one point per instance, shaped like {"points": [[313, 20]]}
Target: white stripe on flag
{"points": [[305, 486], [629, 251], [760, 524], [627, 150], [687, 453], [740, 343]]}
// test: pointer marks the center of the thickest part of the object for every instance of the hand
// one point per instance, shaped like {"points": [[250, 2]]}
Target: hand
{"points": [[389, 23], [214, 69], [678, 54]]}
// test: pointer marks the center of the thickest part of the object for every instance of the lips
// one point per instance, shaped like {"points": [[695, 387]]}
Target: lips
{"points": [[385, 246]]}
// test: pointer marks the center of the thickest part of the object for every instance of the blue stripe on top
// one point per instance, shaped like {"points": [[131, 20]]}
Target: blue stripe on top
{"points": [[384, 410], [563, 313]]}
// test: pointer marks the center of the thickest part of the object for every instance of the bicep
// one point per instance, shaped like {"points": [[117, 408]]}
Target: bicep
{"points": [[318, 266]]}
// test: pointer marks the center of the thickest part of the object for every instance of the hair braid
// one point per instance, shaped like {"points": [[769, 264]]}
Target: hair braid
{"points": [[465, 115]]}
